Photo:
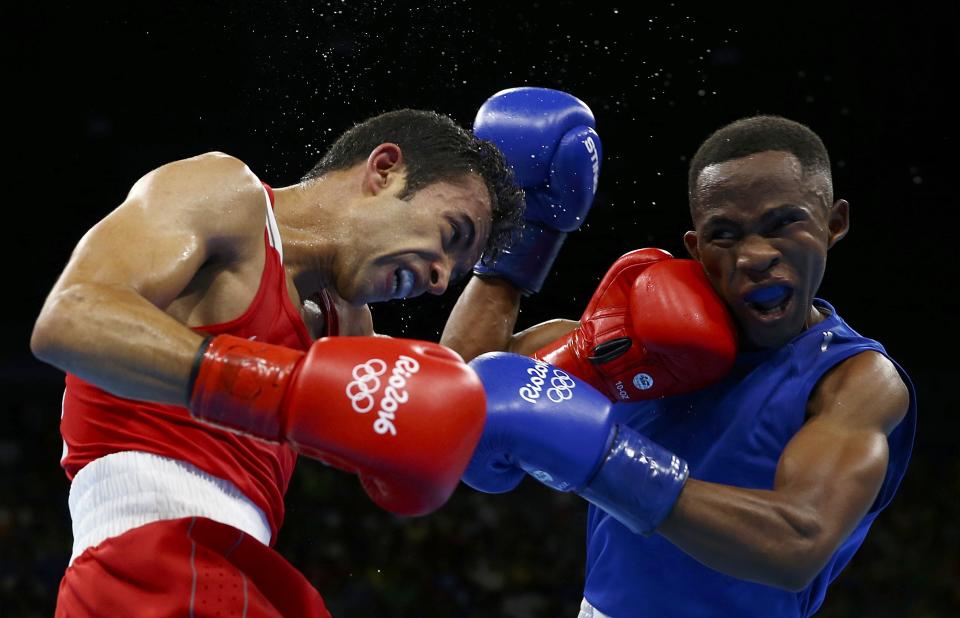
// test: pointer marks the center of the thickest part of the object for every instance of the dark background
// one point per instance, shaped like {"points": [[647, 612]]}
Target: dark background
{"points": [[99, 95]]}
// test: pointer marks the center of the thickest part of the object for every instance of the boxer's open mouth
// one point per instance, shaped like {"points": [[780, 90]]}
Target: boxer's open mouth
{"points": [[770, 301]]}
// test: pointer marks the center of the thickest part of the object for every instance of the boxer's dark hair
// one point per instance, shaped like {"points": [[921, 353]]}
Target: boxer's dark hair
{"points": [[755, 134], [435, 149]]}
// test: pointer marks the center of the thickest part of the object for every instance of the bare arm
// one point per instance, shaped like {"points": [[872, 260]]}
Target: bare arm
{"points": [[104, 321], [485, 316], [827, 479]]}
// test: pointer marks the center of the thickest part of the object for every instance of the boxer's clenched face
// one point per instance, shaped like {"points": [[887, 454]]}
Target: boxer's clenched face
{"points": [[762, 231], [421, 244]]}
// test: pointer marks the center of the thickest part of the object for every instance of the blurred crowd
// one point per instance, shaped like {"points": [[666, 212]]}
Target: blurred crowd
{"points": [[518, 555]]}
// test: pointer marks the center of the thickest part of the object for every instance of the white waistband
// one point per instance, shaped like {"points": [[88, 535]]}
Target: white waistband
{"points": [[589, 611], [122, 491]]}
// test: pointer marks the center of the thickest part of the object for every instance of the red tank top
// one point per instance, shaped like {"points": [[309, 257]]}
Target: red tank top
{"points": [[96, 423]]}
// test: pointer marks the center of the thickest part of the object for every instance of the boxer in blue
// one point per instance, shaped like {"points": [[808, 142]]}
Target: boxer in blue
{"points": [[743, 498]]}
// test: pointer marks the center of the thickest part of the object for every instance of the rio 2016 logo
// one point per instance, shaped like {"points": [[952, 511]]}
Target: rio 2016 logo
{"points": [[561, 384], [366, 383]]}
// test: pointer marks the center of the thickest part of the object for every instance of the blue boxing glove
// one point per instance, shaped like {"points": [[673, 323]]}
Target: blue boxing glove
{"points": [[560, 430], [548, 138], [540, 420]]}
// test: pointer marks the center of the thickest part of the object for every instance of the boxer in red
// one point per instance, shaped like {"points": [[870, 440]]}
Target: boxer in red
{"points": [[196, 326]]}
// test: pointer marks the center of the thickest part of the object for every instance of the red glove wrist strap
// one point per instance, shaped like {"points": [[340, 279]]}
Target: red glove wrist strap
{"points": [[240, 385]]}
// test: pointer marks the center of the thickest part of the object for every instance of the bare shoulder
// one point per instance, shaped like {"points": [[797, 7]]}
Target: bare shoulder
{"points": [[214, 191], [210, 168], [864, 390]]}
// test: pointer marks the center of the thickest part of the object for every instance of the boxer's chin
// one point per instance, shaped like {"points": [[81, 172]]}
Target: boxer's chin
{"points": [[768, 328]]}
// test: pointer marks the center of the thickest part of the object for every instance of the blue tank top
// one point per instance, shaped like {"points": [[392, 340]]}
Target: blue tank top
{"points": [[732, 433]]}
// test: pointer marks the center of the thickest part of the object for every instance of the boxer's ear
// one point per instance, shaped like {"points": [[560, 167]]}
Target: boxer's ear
{"points": [[690, 242], [382, 167]]}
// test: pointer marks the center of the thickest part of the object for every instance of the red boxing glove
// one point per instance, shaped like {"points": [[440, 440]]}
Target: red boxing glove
{"points": [[654, 328], [404, 415]]}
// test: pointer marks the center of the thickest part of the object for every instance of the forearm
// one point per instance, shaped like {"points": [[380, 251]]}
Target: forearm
{"points": [[770, 537], [116, 339], [536, 337], [483, 318], [784, 537], [750, 534]]}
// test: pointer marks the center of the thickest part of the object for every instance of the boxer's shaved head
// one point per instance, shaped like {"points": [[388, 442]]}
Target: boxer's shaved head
{"points": [[435, 149], [760, 134]]}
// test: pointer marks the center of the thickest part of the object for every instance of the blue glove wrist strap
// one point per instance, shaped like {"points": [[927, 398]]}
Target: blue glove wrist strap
{"points": [[638, 483]]}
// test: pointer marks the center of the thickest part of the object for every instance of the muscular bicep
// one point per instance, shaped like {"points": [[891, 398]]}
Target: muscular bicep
{"points": [[121, 252], [836, 464], [104, 320]]}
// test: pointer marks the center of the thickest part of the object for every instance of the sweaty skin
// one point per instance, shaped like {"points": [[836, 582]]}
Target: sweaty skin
{"points": [[760, 222], [186, 248]]}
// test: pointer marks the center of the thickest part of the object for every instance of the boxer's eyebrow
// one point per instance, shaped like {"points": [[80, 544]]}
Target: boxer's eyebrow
{"points": [[784, 209], [717, 220]]}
